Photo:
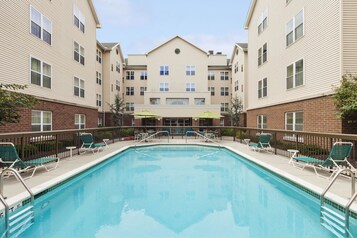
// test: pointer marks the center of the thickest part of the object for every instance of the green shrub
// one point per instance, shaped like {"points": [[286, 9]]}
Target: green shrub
{"points": [[227, 132]]}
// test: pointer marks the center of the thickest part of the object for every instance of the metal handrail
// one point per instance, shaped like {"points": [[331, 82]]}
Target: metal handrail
{"points": [[19, 178], [354, 195], [202, 136], [153, 135]]}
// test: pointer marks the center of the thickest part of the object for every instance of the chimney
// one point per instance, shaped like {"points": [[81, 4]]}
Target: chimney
{"points": [[211, 52]]}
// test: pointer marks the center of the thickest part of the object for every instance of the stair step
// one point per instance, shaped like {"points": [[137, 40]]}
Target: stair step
{"points": [[332, 230], [334, 213], [21, 226], [334, 219], [20, 213], [20, 231], [23, 217]]}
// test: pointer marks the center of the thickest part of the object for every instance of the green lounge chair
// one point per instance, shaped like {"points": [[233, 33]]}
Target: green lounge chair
{"points": [[263, 143], [10, 159], [89, 145], [340, 151]]}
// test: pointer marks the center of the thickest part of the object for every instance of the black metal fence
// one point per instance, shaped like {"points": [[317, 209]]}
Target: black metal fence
{"points": [[31, 145]]}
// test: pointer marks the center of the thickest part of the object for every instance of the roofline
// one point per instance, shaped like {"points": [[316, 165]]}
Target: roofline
{"points": [[94, 12], [236, 45], [250, 13], [172, 40], [100, 45], [110, 49]]}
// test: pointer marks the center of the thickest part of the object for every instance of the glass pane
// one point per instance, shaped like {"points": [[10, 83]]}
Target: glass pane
{"points": [[76, 91], [36, 127], [82, 93], [299, 31], [46, 69], [289, 118], [35, 117], [76, 119], [47, 117], [76, 56], [36, 30], [299, 127], [81, 83], [289, 26], [299, 117], [35, 16], [82, 27], [47, 127], [289, 127], [76, 21], [46, 24], [35, 65], [35, 78], [290, 71], [76, 81], [299, 18], [46, 82], [290, 82], [82, 60], [46, 37], [289, 38]]}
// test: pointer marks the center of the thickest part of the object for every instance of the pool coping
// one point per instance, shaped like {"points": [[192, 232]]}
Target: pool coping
{"points": [[334, 200]]}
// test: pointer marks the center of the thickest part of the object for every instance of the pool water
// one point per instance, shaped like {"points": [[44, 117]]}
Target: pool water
{"points": [[181, 191]]}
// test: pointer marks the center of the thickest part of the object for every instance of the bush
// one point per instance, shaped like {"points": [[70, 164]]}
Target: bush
{"points": [[227, 132]]}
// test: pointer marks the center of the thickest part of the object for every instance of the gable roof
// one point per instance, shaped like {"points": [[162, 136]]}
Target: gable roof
{"points": [[242, 46], [94, 13], [176, 37], [250, 13], [111, 46]]}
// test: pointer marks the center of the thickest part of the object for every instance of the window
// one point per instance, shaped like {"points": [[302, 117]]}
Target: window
{"points": [[154, 101], [130, 91], [294, 121], [78, 18], [99, 56], [288, 1], [99, 78], [164, 87], [143, 75], [224, 107], [224, 91], [263, 22], [79, 90], [263, 88], [79, 121], [236, 86], [224, 75], [211, 89], [164, 70], [263, 54], [130, 75], [41, 73], [295, 28], [41, 26], [117, 66], [78, 53], [190, 70], [210, 75], [41, 120], [177, 101], [117, 85], [99, 100], [190, 87], [241, 68], [200, 101], [129, 106], [295, 74], [261, 121], [142, 91]]}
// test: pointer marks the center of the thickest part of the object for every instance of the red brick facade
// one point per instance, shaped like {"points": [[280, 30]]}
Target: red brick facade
{"points": [[62, 117], [319, 115]]}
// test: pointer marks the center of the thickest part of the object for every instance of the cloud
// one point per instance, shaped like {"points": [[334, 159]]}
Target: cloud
{"points": [[121, 13]]}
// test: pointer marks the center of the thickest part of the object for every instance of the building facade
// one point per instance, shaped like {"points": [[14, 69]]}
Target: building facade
{"points": [[177, 81], [50, 47], [298, 52]]}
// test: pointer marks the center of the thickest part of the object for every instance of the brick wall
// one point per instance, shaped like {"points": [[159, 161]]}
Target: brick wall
{"points": [[319, 115], [62, 117]]}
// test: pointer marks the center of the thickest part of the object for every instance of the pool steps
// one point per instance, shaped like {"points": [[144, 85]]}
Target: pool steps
{"points": [[333, 221], [20, 221]]}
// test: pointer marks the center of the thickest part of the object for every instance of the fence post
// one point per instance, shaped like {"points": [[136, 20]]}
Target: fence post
{"points": [[275, 143], [56, 145]]}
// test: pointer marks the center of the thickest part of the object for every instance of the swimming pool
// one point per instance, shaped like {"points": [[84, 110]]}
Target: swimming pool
{"points": [[180, 191]]}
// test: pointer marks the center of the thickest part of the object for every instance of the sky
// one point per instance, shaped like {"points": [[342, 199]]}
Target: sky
{"points": [[142, 25]]}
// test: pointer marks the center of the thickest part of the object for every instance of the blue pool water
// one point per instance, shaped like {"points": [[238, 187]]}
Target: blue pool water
{"points": [[182, 191]]}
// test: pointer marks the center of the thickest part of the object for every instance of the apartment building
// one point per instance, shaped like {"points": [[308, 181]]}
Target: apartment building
{"points": [[177, 80], [109, 76], [238, 64], [51, 47], [298, 52]]}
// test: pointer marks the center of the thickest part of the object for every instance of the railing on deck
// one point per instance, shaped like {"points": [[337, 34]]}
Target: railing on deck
{"points": [[32, 145]]}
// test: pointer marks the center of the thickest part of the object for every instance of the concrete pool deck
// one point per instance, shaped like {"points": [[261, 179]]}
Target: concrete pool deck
{"points": [[340, 192]]}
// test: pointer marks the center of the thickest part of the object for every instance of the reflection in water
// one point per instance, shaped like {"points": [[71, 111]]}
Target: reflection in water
{"points": [[183, 192]]}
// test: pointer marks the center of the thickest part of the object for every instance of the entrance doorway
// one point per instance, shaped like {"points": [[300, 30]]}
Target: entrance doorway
{"points": [[178, 123]]}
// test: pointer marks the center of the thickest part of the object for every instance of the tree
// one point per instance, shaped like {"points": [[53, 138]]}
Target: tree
{"points": [[236, 110], [117, 109], [346, 96], [11, 102]]}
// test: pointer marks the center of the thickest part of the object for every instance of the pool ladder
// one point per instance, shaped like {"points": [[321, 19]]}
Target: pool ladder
{"points": [[21, 219], [335, 222]]}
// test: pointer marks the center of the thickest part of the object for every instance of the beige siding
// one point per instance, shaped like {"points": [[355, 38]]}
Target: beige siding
{"points": [[239, 61], [349, 36], [319, 48], [15, 55]]}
